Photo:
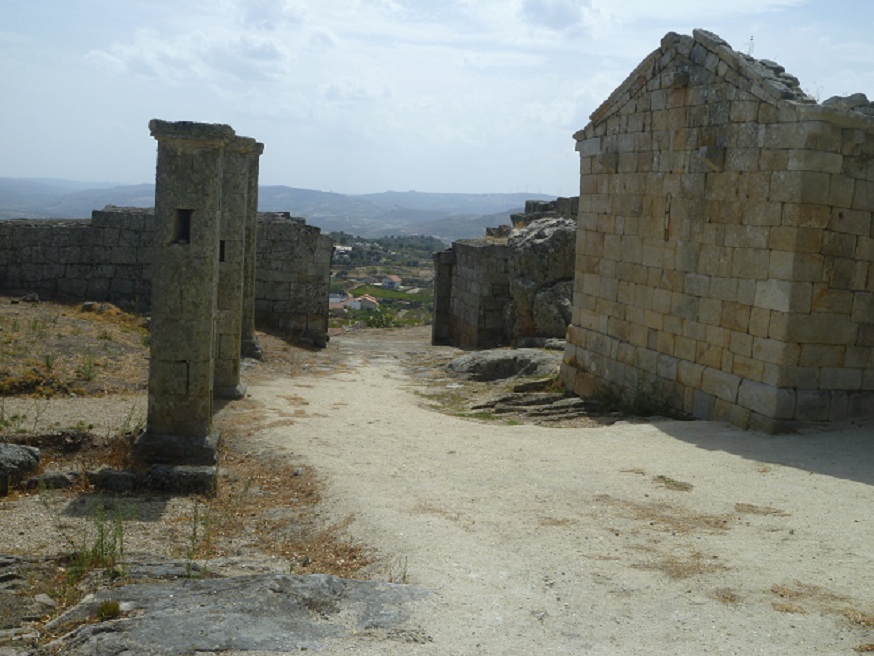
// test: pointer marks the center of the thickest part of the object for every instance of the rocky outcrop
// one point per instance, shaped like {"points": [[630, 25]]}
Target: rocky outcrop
{"points": [[541, 271], [498, 364], [258, 613]]}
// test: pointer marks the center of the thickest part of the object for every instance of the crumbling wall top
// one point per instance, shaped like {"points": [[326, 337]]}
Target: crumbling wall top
{"points": [[765, 79], [218, 133]]}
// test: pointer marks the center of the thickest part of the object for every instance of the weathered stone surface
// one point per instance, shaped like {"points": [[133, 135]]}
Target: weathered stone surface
{"points": [[182, 479], [504, 363], [16, 462], [266, 613], [540, 267], [722, 241], [113, 480]]}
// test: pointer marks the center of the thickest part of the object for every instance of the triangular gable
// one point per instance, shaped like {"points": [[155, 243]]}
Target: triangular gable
{"points": [[764, 79]]}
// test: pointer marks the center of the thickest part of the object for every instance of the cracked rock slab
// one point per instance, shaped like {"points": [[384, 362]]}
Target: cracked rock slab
{"points": [[267, 612]]}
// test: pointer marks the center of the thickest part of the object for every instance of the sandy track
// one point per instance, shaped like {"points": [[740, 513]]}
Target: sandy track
{"points": [[577, 541]]}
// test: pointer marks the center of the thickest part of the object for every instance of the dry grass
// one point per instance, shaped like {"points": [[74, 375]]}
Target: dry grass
{"points": [[661, 516], [260, 510], [726, 596], [682, 565], [50, 348], [750, 509], [802, 598]]}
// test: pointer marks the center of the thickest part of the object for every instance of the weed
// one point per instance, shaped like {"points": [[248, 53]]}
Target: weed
{"points": [[39, 411], [397, 570], [100, 548], [49, 360], [484, 416], [38, 328], [133, 423], [107, 551], [199, 540], [644, 402], [88, 369], [105, 334], [10, 420], [672, 484], [81, 426], [107, 610]]}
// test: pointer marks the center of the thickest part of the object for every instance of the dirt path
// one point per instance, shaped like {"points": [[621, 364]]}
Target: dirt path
{"points": [[639, 538]]}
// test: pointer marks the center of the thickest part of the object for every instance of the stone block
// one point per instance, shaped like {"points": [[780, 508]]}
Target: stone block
{"points": [[720, 384], [820, 328], [784, 295], [775, 351], [800, 215], [839, 378], [855, 222], [812, 405], [768, 401], [826, 299], [863, 196], [863, 308]]}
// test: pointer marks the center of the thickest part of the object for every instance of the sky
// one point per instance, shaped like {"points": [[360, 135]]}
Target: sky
{"points": [[360, 96]]}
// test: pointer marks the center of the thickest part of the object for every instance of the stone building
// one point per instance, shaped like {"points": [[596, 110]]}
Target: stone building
{"points": [[725, 245]]}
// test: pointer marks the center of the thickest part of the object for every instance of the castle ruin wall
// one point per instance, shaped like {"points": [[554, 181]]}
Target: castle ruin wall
{"points": [[108, 258]]}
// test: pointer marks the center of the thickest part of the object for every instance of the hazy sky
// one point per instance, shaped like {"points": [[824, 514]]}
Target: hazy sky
{"points": [[370, 95]]}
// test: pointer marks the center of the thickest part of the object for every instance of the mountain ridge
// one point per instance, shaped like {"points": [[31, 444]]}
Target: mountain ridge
{"points": [[448, 216]]}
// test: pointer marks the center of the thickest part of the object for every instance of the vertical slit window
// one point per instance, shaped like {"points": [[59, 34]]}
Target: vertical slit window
{"points": [[182, 227]]}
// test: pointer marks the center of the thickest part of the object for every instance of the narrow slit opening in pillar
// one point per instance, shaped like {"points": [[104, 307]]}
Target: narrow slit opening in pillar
{"points": [[221, 250], [182, 227]]}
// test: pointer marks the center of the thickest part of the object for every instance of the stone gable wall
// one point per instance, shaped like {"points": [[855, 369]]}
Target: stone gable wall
{"points": [[725, 253], [108, 258]]}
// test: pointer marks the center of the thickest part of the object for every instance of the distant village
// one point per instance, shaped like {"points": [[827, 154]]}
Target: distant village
{"points": [[379, 282]]}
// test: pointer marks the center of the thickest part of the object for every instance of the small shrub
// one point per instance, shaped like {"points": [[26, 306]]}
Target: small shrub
{"points": [[88, 369], [107, 610]]}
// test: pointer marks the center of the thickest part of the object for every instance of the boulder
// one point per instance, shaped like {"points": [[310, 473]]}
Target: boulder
{"points": [[16, 462], [541, 271], [498, 364]]}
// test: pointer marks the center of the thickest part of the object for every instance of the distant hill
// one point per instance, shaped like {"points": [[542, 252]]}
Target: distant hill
{"points": [[448, 216]]}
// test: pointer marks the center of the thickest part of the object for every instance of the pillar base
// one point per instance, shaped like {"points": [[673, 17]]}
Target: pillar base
{"points": [[153, 449], [250, 348], [184, 479], [230, 392]]}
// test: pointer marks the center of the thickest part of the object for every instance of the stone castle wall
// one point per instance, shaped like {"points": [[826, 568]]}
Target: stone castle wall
{"points": [[725, 253], [108, 258], [502, 289], [292, 278]]}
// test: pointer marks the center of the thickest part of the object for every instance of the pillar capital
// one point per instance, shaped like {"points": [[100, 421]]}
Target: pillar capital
{"points": [[216, 134], [245, 146]]}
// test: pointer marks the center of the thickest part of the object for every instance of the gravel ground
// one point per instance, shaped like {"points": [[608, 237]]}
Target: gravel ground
{"points": [[634, 538]]}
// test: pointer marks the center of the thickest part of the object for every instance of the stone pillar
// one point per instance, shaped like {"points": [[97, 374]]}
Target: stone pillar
{"points": [[249, 342], [231, 264], [188, 204], [444, 263]]}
